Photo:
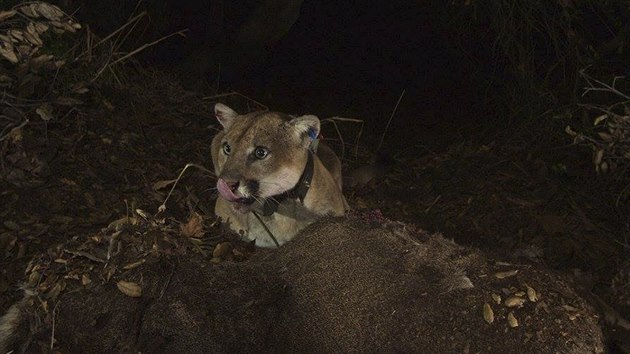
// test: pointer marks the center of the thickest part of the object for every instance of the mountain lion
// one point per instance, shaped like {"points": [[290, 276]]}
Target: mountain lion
{"points": [[273, 177]]}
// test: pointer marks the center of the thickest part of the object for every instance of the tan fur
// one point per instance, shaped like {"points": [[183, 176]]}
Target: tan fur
{"points": [[287, 140]]}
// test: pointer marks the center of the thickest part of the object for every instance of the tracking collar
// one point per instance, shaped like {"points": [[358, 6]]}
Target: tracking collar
{"points": [[297, 192]]}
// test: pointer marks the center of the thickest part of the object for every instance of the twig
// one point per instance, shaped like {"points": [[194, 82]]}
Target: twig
{"points": [[108, 65], [334, 121], [426, 211], [162, 207], [54, 316], [123, 36], [147, 45], [604, 87], [2, 138], [390, 120], [266, 229], [235, 93], [84, 254], [135, 19], [343, 143]]}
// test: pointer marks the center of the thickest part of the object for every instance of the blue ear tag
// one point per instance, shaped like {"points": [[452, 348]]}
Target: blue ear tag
{"points": [[314, 141]]}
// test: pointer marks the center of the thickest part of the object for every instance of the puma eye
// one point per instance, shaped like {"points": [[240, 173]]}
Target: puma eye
{"points": [[261, 153], [227, 149]]}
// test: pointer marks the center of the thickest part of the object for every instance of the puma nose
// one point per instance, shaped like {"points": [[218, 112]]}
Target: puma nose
{"points": [[230, 182], [232, 185], [228, 189]]}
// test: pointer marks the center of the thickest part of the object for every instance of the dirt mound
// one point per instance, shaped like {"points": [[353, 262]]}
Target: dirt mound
{"points": [[344, 285]]}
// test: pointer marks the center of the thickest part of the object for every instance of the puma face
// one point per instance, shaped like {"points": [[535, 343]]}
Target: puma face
{"points": [[259, 155]]}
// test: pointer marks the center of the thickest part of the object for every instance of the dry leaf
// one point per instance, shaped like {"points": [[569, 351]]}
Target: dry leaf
{"points": [[597, 156], [119, 224], [194, 226], [51, 12], [69, 27], [488, 314], [507, 274], [110, 273], [512, 321], [222, 249], [514, 301], [531, 294], [29, 10], [143, 214], [41, 27], [33, 38], [109, 105], [68, 182], [44, 307], [570, 308], [30, 28], [16, 35], [34, 278], [128, 288], [57, 24], [7, 14], [56, 290], [44, 112], [26, 51], [85, 279], [7, 52], [134, 264], [79, 88], [600, 119]]}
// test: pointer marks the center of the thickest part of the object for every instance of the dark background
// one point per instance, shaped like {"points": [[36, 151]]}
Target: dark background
{"points": [[341, 58]]}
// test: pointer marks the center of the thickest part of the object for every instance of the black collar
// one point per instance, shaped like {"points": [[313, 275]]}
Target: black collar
{"points": [[297, 192]]}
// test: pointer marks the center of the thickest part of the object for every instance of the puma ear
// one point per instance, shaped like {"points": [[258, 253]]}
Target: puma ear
{"points": [[225, 115], [306, 128]]}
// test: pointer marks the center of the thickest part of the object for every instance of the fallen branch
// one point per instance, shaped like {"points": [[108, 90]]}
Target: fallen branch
{"points": [[390, 120]]}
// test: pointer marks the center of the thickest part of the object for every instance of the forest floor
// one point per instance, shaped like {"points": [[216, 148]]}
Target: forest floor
{"points": [[117, 152]]}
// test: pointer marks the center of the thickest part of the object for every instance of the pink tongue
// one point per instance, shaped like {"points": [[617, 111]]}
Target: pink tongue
{"points": [[226, 191]]}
